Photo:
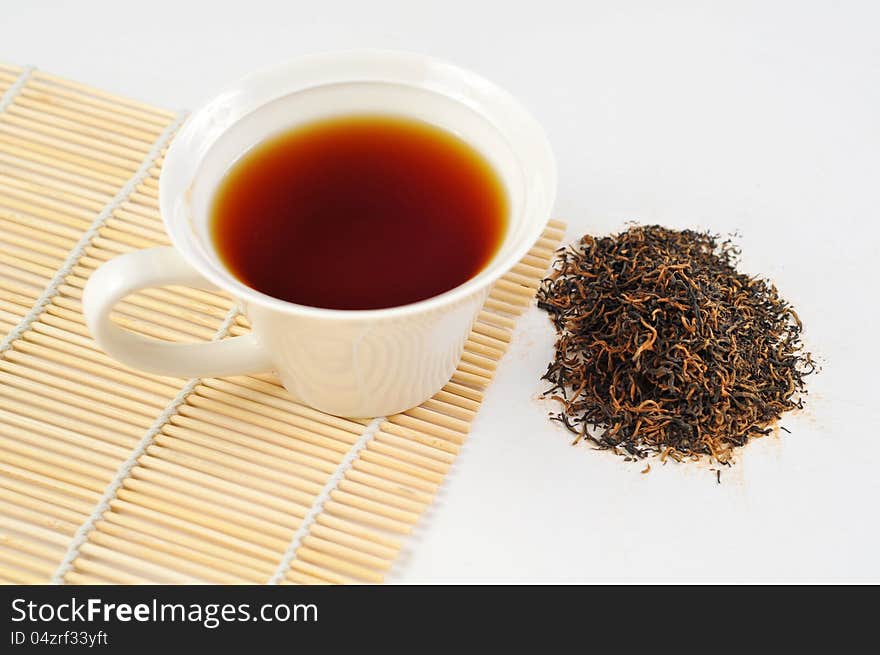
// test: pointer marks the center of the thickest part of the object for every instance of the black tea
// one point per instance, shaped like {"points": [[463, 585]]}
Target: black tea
{"points": [[359, 212], [664, 348]]}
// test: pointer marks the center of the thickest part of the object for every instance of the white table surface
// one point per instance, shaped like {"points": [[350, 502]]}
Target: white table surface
{"points": [[761, 117]]}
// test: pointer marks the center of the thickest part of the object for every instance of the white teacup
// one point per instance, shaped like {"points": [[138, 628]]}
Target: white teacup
{"points": [[348, 363]]}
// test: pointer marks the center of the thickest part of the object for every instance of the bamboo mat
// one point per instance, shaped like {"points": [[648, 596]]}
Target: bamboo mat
{"points": [[110, 475]]}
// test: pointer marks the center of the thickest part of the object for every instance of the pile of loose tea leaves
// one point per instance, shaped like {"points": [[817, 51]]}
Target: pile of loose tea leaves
{"points": [[664, 348]]}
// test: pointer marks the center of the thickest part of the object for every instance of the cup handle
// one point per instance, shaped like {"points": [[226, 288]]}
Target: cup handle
{"points": [[158, 267]]}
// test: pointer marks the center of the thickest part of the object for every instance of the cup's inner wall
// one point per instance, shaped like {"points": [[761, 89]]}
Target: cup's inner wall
{"points": [[355, 98]]}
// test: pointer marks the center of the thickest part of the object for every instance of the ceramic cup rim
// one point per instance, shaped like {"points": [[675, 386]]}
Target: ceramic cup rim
{"points": [[201, 130]]}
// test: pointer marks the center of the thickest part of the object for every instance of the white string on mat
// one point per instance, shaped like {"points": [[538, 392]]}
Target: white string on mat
{"points": [[58, 279], [318, 505], [51, 290], [17, 86], [82, 533]]}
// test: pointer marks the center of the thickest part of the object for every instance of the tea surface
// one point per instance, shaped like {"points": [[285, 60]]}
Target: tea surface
{"points": [[359, 212]]}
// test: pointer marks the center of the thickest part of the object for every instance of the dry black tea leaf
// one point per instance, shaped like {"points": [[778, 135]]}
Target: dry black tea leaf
{"points": [[663, 347]]}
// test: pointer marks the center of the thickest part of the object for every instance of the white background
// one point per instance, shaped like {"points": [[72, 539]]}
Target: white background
{"points": [[760, 117]]}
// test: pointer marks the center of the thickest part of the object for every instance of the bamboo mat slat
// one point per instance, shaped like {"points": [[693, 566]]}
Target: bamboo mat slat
{"points": [[115, 476]]}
